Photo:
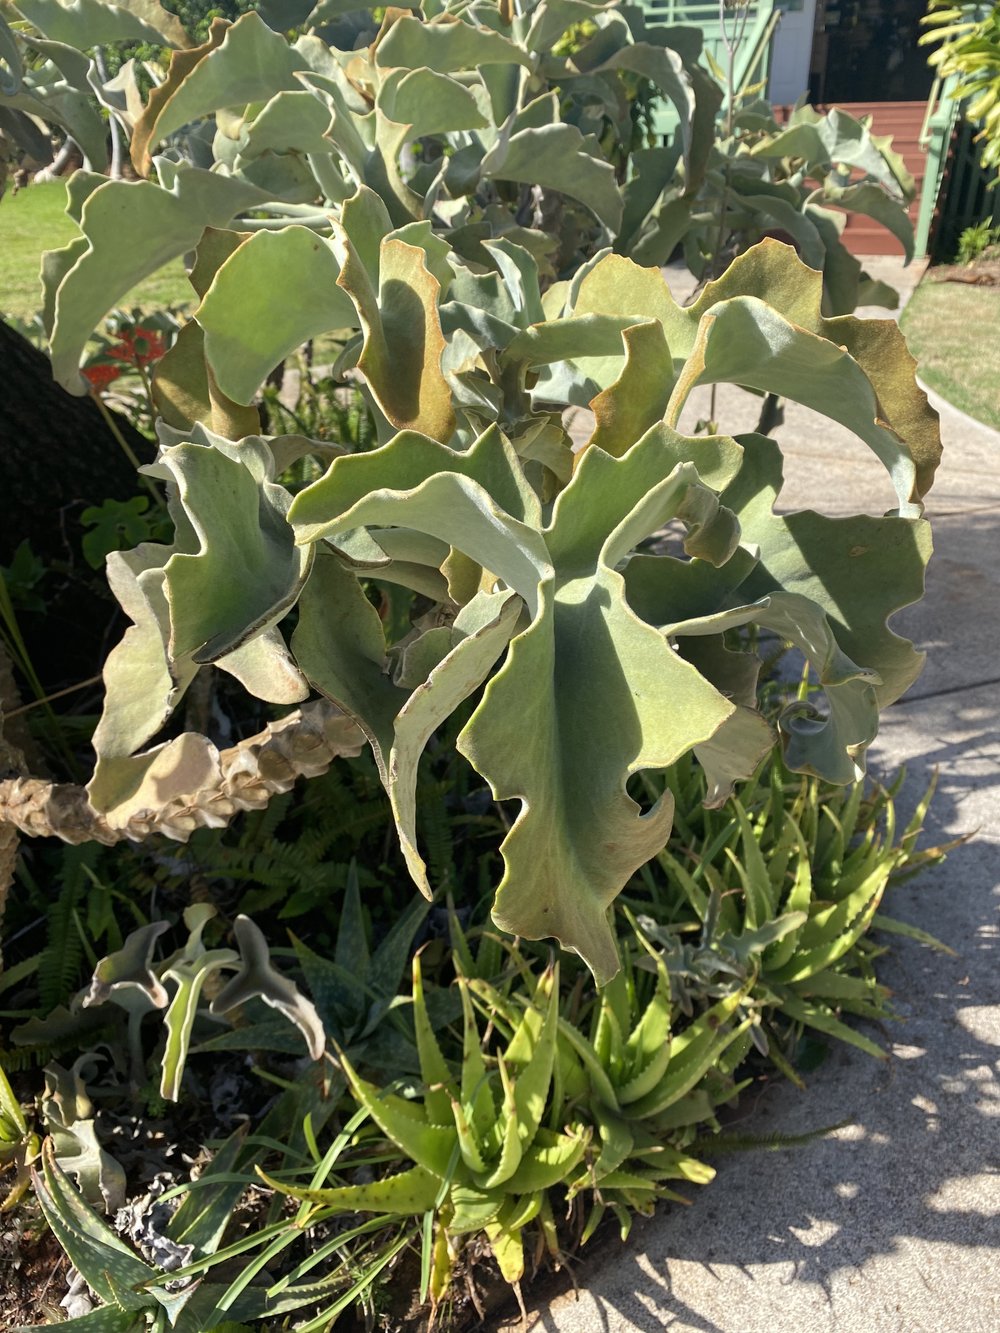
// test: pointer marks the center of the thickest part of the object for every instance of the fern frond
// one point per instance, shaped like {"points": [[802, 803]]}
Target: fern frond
{"points": [[59, 968]]}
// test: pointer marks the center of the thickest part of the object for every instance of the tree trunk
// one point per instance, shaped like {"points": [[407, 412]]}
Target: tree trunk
{"points": [[57, 454]]}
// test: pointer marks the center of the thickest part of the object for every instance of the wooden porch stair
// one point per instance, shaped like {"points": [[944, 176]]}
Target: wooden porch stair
{"points": [[903, 120]]}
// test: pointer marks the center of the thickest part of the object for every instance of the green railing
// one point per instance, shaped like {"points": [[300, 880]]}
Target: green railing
{"points": [[935, 139], [752, 62], [956, 191]]}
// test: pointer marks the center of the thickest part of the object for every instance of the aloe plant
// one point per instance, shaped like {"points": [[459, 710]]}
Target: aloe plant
{"points": [[19, 1143], [782, 888], [547, 1110], [482, 1159]]}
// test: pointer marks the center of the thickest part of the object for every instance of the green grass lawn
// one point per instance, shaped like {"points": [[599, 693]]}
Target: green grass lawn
{"points": [[34, 220], [954, 330]]}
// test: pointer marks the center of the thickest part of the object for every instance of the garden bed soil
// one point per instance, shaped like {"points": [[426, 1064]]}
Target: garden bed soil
{"points": [[984, 272], [34, 1272]]}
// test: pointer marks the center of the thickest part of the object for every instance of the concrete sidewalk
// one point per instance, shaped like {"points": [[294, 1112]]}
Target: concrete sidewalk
{"points": [[891, 1225]]}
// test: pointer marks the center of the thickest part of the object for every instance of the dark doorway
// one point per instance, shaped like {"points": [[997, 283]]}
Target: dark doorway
{"points": [[866, 51]]}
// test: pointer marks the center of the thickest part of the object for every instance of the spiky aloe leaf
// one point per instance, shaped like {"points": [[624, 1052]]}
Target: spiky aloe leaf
{"points": [[406, 1124], [548, 1162], [472, 1208], [807, 961], [91, 1246], [204, 1213], [438, 1083], [824, 1020], [505, 1234], [894, 927], [106, 1319], [617, 1143], [694, 1051], [477, 1094], [406, 1193], [536, 1061], [648, 1047], [508, 1132], [471, 1150], [592, 1066]]}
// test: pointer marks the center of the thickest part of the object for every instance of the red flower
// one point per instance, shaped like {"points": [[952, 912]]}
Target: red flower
{"points": [[101, 374], [139, 346]]}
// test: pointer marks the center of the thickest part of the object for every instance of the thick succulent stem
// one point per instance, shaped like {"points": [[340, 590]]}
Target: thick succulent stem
{"points": [[303, 744]]}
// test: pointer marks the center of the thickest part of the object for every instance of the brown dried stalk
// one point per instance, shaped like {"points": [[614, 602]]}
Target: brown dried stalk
{"points": [[244, 777], [11, 761]]}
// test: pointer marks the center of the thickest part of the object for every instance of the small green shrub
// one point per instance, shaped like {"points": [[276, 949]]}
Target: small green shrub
{"points": [[977, 241]]}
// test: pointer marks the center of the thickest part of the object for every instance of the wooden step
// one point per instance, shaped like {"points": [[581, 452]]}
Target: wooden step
{"points": [[904, 121]]}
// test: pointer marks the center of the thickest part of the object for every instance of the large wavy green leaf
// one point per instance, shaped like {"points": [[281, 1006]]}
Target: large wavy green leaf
{"points": [[185, 388], [560, 158], [141, 687], [889, 412], [182, 63], [246, 332], [596, 695], [340, 645], [132, 229], [652, 172], [244, 570], [147, 673], [291, 122], [664, 68], [873, 202], [250, 64], [831, 746], [403, 342], [495, 510], [430, 102], [860, 569], [87, 23], [603, 692], [55, 90], [745, 341], [829, 585], [835, 139], [626, 409], [446, 46]]}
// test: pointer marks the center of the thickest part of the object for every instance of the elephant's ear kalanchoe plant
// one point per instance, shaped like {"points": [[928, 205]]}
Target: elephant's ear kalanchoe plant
{"points": [[485, 120], [596, 648]]}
